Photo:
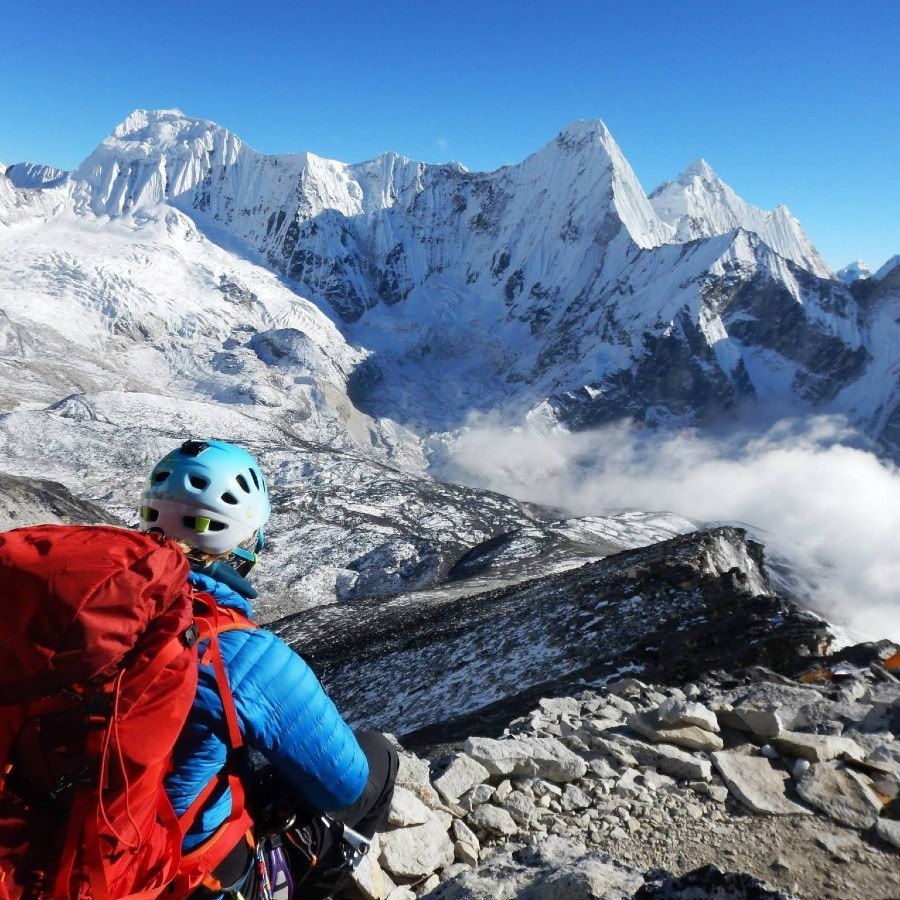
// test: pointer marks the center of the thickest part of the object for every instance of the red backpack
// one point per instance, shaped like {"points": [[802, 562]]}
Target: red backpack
{"points": [[98, 671]]}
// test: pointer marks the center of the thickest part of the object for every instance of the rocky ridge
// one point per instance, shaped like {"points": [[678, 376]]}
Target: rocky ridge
{"points": [[752, 785]]}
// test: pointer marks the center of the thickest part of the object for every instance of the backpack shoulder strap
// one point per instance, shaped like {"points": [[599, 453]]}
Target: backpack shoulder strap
{"points": [[211, 621]]}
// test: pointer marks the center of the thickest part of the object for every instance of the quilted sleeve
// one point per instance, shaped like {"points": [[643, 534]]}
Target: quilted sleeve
{"points": [[287, 716]]}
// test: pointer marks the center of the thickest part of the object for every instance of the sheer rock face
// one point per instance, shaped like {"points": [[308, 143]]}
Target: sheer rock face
{"points": [[554, 287]]}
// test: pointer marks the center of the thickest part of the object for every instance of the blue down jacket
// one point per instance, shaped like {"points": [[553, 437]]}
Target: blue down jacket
{"points": [[283, 713]]}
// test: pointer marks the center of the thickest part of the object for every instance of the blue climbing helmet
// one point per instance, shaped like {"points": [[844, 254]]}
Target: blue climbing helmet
{"points": [[209, 494]]}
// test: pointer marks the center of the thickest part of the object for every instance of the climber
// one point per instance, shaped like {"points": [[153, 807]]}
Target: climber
{"points": [[211, 498]]}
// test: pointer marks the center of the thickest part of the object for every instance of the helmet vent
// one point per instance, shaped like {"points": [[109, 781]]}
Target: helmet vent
{"points": [[228, 497], [200, 524], [160, 477], [243, 483], [198, 481], [193, 448], [149, 514], [255, 479]]}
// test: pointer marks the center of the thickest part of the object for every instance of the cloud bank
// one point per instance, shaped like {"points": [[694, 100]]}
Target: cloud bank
{"points": [[830, 508]]}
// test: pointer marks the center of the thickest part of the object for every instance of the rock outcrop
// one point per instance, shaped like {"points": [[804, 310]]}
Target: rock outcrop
{"points": [[576, 801]]}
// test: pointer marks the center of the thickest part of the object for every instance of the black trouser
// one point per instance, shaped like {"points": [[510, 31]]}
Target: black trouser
{"points": [[368, 815]]}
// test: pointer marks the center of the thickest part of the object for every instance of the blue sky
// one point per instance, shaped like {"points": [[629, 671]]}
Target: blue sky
{"points": [[793, 102]]}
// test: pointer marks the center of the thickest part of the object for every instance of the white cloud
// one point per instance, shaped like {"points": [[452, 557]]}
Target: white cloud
{"points": [[831, 508]]}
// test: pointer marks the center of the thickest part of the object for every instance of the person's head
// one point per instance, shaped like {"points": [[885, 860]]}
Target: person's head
{"points": [[208, 495]]}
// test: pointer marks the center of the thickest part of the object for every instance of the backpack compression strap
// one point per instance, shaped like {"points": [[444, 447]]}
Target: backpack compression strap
{"points": [[82, 828]]}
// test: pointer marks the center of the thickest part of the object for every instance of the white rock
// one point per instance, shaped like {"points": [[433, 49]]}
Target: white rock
{"points": [[412, 771], [689, 736], [493, 819], [465, 853], [763, 723], [416, 851], [414, 774], [841, 794], [602, 769], [429, 884], [755, 783], [503, 790], [677, 712], [401, 893], [801, 767], [540, 757], [407, 808], [461, 776], [665, 758], [371, 880], [463, 833], [560, 706], [620, 703], [817, 747], [521, 808], [575, 798], [479, 794], [889, 830]]}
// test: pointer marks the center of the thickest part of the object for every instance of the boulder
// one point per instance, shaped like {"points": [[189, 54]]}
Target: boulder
{"points": [[663, 757], [817, 747], [692, 737], [756, 784], [407, 809], [465, 853], [461, 776], [415, 775], [675, 712], [841, 794], [574, 798], [370, 879], [479, 794], [494, 819], [560, 706], [417, 851], [762, 723], [521, 808], [462, 832], [529, 756], [889, 831]]}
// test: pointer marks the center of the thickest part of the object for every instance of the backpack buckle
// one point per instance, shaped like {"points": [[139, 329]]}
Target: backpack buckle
{"points": [[190, 635]]}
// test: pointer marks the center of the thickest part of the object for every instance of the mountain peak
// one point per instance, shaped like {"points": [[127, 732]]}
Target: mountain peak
{"points": [[34, 175], [141, 119], [582, 128], [888, 267], [858, 270], [161, 128], [699, 204], [699, 168]]}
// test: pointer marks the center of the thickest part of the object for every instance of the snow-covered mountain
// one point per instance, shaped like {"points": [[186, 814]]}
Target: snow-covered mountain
{"points": [[699, 204], [858, 270], [554, 288], [888, 267], [369, 307]]}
